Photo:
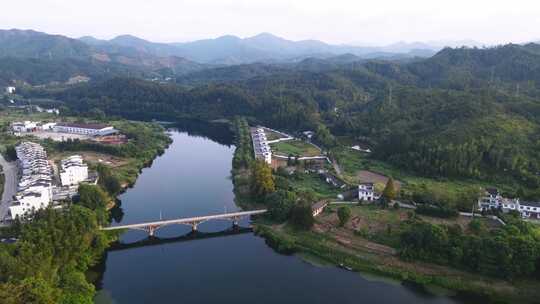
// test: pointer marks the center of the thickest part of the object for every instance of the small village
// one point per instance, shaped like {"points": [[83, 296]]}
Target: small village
{"points": [[42, 182], [366, 191]]}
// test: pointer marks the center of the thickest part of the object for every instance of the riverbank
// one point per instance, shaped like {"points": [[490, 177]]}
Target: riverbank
{"points": [[373, 252], [372, 258]]}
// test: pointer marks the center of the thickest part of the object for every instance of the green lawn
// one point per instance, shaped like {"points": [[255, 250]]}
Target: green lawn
{"points": [[312, 182], [295, 147], [271, 135]]}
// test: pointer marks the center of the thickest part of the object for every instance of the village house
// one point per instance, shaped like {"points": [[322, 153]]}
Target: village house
{"points": [[84, 129], [73, 171], [308, 134], [332, 180], [24, 126], [10, 90], [318, 207], [493, 200], [366, 192]]}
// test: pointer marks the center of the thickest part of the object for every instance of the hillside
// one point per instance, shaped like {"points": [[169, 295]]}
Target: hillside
{"points": [[410, 113], [40, 58]]}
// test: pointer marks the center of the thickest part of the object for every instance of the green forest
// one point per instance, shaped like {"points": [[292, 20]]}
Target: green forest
{"points": [[465, 112]]}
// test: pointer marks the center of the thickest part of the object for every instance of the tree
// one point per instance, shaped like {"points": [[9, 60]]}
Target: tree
{"points": [[107, 180], [344, 214], [302, 216], [280, 204], [389, 192], [11, 153], [263, 181], [92, 197], [324, 137]]}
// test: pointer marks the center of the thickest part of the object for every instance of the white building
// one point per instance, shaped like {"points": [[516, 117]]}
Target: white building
{"points": [[366, 192], [50, 111], [261, 149], [308, 134], [48, 126], [34, 190], [84, 129], [10, 90], [24, 126], [73, 171], [494, 200]]}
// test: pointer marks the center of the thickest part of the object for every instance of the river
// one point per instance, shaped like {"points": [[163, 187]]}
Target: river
{"points": [[193, 178]]}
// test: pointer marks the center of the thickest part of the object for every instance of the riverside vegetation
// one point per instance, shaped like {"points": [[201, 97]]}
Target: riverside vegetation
{"points": [[497, 262]]}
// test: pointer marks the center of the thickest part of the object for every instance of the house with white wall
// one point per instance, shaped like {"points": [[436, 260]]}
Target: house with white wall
{"points": [[24, 126], [493, 200], [73, 171], [366, 192], [84, 129]]}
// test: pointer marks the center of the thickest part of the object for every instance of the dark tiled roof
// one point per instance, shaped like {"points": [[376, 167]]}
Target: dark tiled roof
{"points": [[492, 191], [83, 126], [530, 204], [318, 205]]}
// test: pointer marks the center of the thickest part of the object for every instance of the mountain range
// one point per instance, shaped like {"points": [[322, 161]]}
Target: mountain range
{"points": [[264, 47], [39, 58], [228, 49]]}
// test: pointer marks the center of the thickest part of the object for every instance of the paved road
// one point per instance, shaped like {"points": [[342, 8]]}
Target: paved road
{"points": [[10, 186]]}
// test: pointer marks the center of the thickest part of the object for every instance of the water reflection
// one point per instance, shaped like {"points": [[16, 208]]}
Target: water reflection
{"points": [[217, 264]]}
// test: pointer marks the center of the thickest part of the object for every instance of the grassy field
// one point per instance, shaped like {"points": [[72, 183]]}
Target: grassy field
{"points": [[271, 135], [295, 147], [313, 183], [353, 163]]}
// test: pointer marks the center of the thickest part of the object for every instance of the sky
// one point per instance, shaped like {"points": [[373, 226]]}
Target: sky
{"points": [[378, 22]]}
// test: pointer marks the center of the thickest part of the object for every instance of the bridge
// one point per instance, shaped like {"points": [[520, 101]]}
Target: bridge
{"points": [[152, 227]]}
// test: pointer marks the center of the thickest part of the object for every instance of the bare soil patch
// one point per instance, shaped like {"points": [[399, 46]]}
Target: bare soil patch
{"points": [[366, 176]]}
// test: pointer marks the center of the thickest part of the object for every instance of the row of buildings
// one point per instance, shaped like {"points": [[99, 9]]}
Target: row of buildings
{"points": [[493, 200], [261, 149], [36, 185], [71, 128], [34, 190]]}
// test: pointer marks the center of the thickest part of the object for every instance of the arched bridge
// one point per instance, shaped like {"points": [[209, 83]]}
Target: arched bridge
{"points": [[151, 227]]}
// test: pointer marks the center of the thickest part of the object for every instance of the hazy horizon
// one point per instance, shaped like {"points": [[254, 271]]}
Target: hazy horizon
{"points": [[340, 22]]}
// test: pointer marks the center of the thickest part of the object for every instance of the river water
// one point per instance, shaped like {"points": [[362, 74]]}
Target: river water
{"points": [[193, 178]]}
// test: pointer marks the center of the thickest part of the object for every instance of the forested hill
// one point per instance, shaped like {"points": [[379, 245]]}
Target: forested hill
{"points": [[514, 68], [413, 115], [39, 58]]}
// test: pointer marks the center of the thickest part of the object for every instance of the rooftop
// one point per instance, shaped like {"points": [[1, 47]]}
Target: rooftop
{"points": [[83, 126]]}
